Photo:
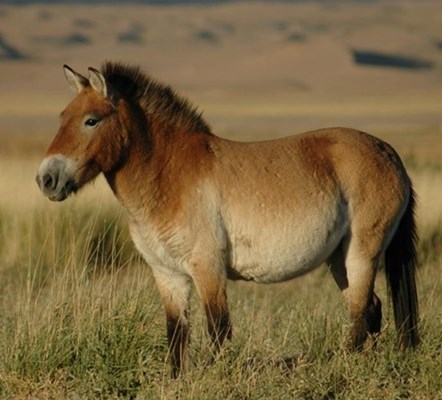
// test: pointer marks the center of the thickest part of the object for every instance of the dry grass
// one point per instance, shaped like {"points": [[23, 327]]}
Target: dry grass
{"points": [[81, 317]]}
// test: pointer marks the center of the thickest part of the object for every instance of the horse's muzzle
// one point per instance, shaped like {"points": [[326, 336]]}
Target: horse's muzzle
{"points": [[55, 179]]}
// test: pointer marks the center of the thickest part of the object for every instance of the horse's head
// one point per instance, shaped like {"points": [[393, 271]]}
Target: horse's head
{"points": [[90, 138]]}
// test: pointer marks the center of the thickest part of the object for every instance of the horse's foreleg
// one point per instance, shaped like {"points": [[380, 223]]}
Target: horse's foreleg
{"points": [[211, 285], [218, 319], [178, 337], [175, 292]]}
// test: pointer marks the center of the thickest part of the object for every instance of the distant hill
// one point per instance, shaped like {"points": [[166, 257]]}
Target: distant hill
{"points": [[252, 66]]}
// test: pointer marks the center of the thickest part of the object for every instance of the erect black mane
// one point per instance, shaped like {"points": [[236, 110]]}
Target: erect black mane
{"points": [[156, 99]]}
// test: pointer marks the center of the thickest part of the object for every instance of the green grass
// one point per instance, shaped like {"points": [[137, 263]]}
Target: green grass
{"points": [[81, 318]]}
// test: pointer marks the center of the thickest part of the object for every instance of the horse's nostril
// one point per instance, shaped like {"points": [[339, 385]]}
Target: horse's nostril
{"points": [[48, 181]]}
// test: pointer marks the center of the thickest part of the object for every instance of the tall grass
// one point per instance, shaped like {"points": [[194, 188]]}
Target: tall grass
{"points": [[81, 317]]}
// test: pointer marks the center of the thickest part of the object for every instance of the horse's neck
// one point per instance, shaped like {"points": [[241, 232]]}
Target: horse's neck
{"points": [[158, 171]]}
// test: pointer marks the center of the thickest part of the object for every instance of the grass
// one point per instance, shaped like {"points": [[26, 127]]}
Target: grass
{"points": [[81, 317]]}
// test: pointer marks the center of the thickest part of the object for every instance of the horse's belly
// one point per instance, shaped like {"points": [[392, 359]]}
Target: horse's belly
{"points": [[282, 251]]}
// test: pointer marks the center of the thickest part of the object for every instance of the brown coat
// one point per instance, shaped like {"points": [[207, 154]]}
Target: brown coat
{"points": [[203, 209]]}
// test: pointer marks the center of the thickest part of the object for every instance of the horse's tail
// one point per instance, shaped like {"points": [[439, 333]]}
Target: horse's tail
{"points": [[400, 270]]}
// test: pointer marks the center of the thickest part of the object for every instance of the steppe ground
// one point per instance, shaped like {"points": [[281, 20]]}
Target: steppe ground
{"points": [[80, 315]]}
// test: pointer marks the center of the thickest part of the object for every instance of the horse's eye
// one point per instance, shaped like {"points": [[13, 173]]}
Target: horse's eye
{"points": [[91, 122]]}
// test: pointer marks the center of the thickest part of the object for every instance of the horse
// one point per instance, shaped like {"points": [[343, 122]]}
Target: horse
{"points": [[203, 209]]}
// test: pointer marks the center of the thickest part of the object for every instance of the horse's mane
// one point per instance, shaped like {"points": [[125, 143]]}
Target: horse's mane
{"points": [[156, 99]]}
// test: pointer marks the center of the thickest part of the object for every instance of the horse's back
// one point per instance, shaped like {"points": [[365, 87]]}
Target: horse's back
{"points": [[313, 163]]}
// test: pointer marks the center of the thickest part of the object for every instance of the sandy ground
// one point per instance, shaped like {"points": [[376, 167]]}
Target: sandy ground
{"points": [[256, 70]]}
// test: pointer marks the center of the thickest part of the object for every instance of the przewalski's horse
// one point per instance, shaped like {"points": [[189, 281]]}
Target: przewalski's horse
{"points": [[203, 209]]}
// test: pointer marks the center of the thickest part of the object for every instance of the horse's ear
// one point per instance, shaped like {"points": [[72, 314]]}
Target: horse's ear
{"points": [[97, 81], [76, 81]]}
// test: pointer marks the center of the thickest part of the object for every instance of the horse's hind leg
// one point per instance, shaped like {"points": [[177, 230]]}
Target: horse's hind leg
{"points": [[374, 315], [355, 275]]}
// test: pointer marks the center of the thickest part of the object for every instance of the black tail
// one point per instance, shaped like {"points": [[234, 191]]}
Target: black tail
{"points": [[400, 270]]}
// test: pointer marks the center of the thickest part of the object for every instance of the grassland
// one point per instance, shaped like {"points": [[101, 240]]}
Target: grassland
{"points": [[81, 318]]}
